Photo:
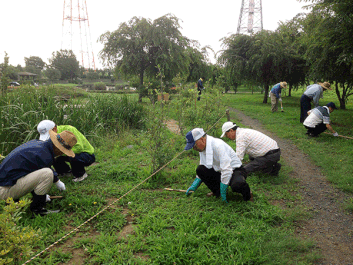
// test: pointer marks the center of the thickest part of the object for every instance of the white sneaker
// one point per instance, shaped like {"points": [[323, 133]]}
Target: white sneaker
{"points": [[78, 179]]}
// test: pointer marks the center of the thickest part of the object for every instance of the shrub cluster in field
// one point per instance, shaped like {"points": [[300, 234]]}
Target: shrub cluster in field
{"points": [[22, 110], [99, 86], [16, 241]]}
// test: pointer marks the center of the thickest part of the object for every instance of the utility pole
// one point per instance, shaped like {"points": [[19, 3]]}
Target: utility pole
{"points": [[250, 19], [76, 34]]}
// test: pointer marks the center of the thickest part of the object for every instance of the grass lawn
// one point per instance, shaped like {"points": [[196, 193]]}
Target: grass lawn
{"points": [[154, 226], [332, 154]]}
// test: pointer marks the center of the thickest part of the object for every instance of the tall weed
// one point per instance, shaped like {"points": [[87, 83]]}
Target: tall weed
{"points": [[22, 110]]}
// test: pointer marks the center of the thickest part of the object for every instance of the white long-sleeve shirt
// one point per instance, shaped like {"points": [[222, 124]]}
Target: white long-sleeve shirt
{"points": [[253, 143], [221, 157]]}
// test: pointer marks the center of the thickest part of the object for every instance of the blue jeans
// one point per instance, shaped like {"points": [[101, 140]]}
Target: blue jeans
{"points": [[78, 164]]}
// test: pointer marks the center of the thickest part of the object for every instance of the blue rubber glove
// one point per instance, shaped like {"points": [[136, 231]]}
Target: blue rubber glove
{"points": [[224, 188], [194, 185]]}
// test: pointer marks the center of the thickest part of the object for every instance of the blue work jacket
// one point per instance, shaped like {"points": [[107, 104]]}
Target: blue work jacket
{"points": [[25, 159]]}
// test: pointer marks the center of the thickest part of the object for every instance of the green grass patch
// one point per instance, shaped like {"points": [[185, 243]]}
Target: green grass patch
{"points": [[168, 227], [333, 154]]}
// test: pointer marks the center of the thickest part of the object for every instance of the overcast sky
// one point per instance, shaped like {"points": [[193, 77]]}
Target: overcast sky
{"points": [[34, 27]]}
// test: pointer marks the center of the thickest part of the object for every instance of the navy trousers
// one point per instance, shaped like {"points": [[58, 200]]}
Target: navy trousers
{"points": [[78, 164], [305, 106]]}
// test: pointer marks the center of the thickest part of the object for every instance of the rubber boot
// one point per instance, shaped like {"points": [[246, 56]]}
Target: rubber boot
{"points": [[38, 205]]}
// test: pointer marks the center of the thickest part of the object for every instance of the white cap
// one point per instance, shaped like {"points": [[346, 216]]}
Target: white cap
{"points": [[226, 127], [43, 128]]}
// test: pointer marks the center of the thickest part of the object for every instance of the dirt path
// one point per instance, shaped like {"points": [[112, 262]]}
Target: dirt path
{"points": [[329, 226]]}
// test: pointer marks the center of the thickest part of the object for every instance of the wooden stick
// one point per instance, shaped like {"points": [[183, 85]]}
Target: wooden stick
{"points": [[169, 189], [56, 197], [228, 115], [341, 136]]}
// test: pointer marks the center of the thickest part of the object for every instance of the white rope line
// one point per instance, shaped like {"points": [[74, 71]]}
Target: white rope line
{"points": [[108, 206]]}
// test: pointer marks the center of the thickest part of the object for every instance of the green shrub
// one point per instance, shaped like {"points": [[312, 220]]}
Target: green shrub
{"points": [[99, 86], [15, 241]]}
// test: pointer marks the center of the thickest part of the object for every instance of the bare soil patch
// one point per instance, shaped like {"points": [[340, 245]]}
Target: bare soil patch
{"points": [[330, 226]]}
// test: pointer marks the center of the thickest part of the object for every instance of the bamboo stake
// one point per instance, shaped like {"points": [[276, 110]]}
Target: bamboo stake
{"points": [[178, 190], [347, 137], [56, 197]]}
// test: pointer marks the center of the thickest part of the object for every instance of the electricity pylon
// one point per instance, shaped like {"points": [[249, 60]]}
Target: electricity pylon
{"points": [[250, 19], [76, 35]]}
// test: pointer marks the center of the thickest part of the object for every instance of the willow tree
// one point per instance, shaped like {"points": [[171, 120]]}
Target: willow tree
{"points": [[234, 59], [141, 47], [328, 37]]}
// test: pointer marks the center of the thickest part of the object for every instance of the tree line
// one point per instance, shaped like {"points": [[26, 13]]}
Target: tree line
{"points": [[311, 47], [63, 65]]}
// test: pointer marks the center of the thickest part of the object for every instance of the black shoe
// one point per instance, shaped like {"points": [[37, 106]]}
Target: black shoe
{"points": [[65, 174], [276, 169], [312, 135], [43, 211]]}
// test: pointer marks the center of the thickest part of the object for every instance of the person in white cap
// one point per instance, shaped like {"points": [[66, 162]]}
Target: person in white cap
{"points": [[263, 151], [312, 93], [28, 169], [219, 166], [84, 151], [275, 95]]}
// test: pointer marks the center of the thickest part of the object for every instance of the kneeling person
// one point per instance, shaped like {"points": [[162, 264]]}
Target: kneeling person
{"points": [[27, 169], [219, 166], [319, 120], [263, 151], [84, 151]]}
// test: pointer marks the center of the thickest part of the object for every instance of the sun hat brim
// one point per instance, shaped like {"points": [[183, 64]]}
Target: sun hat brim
{"points": [[322, 85], [53, 137]]}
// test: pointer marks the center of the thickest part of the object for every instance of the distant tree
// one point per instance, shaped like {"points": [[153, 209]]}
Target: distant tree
{"points": [[34, 65], [52, 74], [198, 63], [328, 37], [138, 46], [65, 61], [12, 72], [295, 67], [4, 74], [235, 59], [92, 75]]}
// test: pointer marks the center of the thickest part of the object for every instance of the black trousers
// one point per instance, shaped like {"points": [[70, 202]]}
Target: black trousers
{"points": [[305, 106], [199, 97], [212, 179], [320, 128], [78, 164], [263, 163]]}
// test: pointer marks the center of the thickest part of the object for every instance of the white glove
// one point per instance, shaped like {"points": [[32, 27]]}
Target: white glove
{"points": [[335, 134], [47, 199], [60, 185], [280, 99]]}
